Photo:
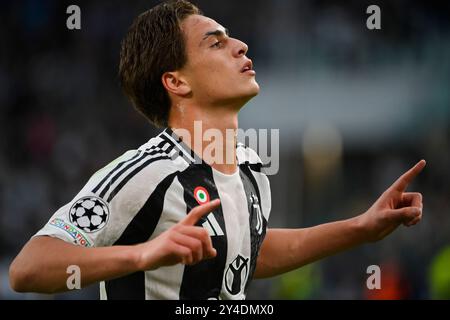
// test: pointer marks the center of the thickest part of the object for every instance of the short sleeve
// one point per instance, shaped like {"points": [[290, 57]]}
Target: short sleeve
{"points": [[98, 215], [59, 226]]}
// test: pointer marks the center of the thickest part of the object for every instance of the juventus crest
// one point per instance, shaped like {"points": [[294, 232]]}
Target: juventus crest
{"points": [[256, 210]]}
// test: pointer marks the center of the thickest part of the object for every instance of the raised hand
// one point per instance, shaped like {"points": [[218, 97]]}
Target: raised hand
{"points": [[183, 243], [394, 207]]}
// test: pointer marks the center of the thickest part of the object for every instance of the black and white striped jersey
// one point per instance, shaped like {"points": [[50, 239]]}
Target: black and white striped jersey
{"points": [[146, 191]]}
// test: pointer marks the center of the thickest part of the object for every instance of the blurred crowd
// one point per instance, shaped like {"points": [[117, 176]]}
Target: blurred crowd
{"points": [[63, 116]]}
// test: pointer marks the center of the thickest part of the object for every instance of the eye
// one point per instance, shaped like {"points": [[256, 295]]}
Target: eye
{"points": [[218, 44]]}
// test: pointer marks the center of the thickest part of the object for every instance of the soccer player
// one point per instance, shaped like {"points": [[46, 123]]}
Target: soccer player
{"points": [[167, 222]]}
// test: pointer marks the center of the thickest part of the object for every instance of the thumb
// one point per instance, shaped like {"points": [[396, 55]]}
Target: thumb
{"points": [[405, 213]]}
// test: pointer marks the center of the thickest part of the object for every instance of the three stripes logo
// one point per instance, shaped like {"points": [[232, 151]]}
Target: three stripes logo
{"points": [[125, 170], [212, 226]]}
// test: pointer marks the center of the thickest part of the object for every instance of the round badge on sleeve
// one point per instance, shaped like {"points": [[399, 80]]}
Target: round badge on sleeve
{"points": [[201, 195], [90, 214]]}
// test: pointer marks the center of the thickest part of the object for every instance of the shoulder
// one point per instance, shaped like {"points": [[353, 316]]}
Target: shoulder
{"points": [[113, 197], [137, 169]]}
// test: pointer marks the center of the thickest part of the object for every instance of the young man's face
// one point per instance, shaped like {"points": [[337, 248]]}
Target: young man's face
{"points": [[217, 69]]}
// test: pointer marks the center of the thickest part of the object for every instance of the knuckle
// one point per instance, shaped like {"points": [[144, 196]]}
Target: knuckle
{"points": [[385, 215], [197, 245], [169, 235], [204, 234]]}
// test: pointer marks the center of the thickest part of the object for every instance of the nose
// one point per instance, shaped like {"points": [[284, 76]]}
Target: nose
{"points": [[240, 49]]}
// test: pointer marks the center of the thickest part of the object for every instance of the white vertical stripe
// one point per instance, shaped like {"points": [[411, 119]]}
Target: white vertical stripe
{"points": [[165, 282], [236, 216], [103, 295]]}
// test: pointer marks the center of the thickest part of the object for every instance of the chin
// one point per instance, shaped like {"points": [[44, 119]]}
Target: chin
{"points": [[251, 89], [243, 96], [254, 90]]}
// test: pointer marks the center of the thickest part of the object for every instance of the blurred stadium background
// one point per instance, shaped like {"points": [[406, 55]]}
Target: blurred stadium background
{"points": [[355, 108]]}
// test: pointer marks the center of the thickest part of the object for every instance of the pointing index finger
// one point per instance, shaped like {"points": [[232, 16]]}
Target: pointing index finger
{"points": [[402, 183], [199, 211]]}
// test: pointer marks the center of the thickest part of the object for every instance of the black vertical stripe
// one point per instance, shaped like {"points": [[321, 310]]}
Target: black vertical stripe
{"points": [[130, 287], [251, 186], [139, 230], [203, 280]]}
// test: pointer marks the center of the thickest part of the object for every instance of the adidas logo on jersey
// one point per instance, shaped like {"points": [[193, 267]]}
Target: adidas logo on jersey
{"points": [[212, 226]]}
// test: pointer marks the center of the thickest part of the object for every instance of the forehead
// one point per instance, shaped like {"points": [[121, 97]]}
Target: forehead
{"points": [[195, 26]]}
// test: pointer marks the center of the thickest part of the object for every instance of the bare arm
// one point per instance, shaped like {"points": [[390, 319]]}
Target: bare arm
{"points": [[287, 249], [284, 250], [41, 265]]}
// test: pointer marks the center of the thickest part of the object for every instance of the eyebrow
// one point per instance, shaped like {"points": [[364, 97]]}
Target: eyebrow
{"points": [[217, 32]]}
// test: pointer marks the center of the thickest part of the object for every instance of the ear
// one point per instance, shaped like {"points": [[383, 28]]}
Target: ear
{"points": [[175, 83]]}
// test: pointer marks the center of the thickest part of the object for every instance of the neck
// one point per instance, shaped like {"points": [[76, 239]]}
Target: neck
{"points": [[209, 132]]}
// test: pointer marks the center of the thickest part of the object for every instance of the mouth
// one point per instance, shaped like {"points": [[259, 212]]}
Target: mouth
{"points": [[248, 68]]}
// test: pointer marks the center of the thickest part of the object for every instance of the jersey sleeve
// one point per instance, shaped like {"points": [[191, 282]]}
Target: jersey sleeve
{"points": [[59, 226], [102, 210]]}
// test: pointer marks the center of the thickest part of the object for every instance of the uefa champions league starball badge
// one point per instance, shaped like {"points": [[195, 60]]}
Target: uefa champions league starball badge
{"points": [[90, 214]]}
